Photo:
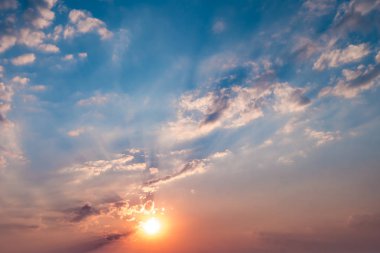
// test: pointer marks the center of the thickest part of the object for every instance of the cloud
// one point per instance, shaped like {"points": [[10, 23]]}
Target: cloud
{"points": [[354, 82], [6, 42], [322, 137], [355, 15], [339, 57], [83, 22], [82, 55], [377, 57], [319, 7], [20, 80], [219, 26], [68, 57], [98, 99], [82, 213], [8, 4], [190, 168], [120, 162], [24, 59], [233, 107], [76, 132], [40, 15]]}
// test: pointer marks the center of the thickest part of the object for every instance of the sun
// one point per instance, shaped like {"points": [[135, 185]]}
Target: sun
{"points": [[151, 226]]}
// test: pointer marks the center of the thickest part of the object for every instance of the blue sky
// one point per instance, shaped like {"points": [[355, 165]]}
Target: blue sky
{"points": [[115, 111]]}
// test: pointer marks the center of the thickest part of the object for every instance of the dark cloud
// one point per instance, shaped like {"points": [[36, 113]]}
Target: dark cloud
{"points": [[82, 213], [92, 245], [366, 78], [219, 105], [355, 16], [188, 168]]}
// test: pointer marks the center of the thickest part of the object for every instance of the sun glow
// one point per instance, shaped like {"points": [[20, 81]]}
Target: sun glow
{"points": [[151, 226]]}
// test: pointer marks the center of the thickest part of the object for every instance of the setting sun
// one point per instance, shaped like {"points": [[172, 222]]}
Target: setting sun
{"points": [[152, 226]]}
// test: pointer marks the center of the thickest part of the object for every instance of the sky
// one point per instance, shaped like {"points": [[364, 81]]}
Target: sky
{"points": [[241, 126]]}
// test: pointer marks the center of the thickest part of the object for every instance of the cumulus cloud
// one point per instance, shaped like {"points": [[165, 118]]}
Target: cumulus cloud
{"points": [[20, 80], [6, 42], [83, 22], [41, 15], [24, 59], [339, 57], [354, 82], [68, 57]]}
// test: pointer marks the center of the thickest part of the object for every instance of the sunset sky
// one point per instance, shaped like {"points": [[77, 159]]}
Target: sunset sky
{"points": [[189, 126]]}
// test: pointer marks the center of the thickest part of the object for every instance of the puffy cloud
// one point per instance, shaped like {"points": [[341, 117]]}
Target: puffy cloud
{"points": [[83, 22], [20, 80], [68, 57], [339, 57], [289, 99], [41, 15], [23, 59], [8, 4], [354, 82], [377, 57], [6, 42]]}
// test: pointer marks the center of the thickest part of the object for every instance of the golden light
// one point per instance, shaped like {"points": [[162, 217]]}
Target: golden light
{"points": [[152, 226]]}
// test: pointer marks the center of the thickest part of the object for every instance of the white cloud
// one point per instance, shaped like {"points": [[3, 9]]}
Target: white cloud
{"points": [[231, 108], [23, 59], [289, 99], [339, 57], [120, 162], [6, 42], [50, 48], [83, 22], [41, 15], [68, 57], [82, 55], [354, 82], [98, 99], [322, 137], [20, 80], [377, 57], [76, 132]]}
